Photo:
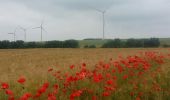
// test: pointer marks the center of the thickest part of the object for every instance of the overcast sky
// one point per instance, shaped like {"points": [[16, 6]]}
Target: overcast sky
{"points": [[77, 19]]}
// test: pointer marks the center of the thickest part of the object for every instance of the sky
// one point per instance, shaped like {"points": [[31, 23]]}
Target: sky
{"points": [[79, 19]]}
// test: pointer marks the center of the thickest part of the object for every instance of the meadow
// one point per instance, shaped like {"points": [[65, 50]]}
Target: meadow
{"points": [[85, 74]]}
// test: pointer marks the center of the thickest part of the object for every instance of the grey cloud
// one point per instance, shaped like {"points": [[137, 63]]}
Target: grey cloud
{"points": [[77, 18]]}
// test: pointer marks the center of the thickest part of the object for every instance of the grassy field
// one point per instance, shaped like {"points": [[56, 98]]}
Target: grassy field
{"points": [[165, 41], [97, 43], [38, 66]]}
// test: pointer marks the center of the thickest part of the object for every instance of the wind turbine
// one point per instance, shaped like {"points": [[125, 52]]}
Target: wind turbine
{"points": [[103, 15], [41, 28], [25, 32], [103, 18], [14, 34]]}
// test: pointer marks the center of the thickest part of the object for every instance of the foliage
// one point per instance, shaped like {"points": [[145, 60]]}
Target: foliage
{"points": [[132, 43], [116, 43], [48, 44], [89, 46]]}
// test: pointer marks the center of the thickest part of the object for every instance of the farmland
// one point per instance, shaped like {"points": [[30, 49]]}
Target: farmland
{"points": [[31, 70]]}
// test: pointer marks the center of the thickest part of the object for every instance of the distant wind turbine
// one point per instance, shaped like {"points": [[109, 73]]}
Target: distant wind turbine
{"points": [[25, 32], [41, 28], [103, 15], [14, 34]]}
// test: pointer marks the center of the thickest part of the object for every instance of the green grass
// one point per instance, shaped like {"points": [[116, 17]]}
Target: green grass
{"points": [[97, 43], [165, 41]]}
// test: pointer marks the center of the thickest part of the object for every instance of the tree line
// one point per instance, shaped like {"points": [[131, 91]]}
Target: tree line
{"points": [[116, 43], [47, 44], [132, 43]]}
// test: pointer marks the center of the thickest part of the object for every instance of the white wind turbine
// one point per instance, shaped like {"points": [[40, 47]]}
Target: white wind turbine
{"points": [[14, 34], [41, 28], [103, 15], [103, 18], [25, 32]]}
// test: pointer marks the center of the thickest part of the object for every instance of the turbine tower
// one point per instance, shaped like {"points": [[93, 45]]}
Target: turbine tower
{"points": [[14, 34], [41, 28]]}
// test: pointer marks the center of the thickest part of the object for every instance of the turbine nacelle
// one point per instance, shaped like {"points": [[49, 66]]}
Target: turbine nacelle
{"points": [[41, 28]]}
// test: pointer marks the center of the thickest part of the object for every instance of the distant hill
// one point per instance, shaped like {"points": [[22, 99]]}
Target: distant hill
{"points": [[165, 41], [96, 42]]}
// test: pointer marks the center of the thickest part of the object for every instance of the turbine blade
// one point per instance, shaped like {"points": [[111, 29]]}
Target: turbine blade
{"points": [[36, 27], [98, 10], [10, 33], [44, 30]]}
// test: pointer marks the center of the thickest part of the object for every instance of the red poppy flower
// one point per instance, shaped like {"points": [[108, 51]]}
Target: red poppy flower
{"points": [[94, 98], [113, 70], [76, 94], [55, 86], [51, 97], [72, 66], [138, 98], [84, 64], [21, 80], [26, 96], [4, 86], [106, 93], [9, 92], [50, 69], [11, 98], [110, 82], [125, 77], [97, 78]]}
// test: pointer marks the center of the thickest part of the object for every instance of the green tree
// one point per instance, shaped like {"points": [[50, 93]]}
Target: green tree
{"points": [[116, 43]]}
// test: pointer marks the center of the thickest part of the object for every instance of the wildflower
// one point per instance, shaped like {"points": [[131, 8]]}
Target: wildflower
{"points": [[110, 82], [50, 69], [84, 64], [21, 80], [26, 96], [94, 98], [51, 96], [72, 66], [132, 94], [108, 75], [106, 93], [97, 78], [11, 97], [110, 88], [4, 86], [114, 77], [9, 92], [125, 77], [113, 70], [55, 86], [138, 98], [106, 66], [42, 89], [76, 94]]}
